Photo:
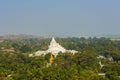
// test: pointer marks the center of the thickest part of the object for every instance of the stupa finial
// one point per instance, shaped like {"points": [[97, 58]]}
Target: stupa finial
{"points": [[53, 40]]}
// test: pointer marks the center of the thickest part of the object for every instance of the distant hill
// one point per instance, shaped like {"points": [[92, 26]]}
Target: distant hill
{"points": [[19, 36]]}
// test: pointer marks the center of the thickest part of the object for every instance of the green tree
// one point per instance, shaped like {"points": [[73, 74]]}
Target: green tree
{"points": [[25, 48]]}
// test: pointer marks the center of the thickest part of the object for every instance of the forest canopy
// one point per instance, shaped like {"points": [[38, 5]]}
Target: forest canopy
{"points": [[15, 64]]}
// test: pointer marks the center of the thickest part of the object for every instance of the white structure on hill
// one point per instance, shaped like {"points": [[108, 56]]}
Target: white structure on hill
{"points": [[54, 48]]}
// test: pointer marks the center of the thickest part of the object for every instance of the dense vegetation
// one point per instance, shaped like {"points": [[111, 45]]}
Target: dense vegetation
{"points": [[84, 65]]}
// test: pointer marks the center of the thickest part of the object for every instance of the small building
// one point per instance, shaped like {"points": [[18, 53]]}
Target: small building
{"points": [[101, 74], [110, 58], [101, 57]]}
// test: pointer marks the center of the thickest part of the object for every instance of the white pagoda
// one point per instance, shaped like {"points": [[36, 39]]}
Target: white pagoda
{"points": [[54, 48]]}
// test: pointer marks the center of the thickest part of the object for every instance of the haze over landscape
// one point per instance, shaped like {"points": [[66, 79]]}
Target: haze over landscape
{"points": [[60, 17], [59, 40]]}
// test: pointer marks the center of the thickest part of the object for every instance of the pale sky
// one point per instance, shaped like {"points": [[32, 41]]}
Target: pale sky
{"points": [[60, 17]]}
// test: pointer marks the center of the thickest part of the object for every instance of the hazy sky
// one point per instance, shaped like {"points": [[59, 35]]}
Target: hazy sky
{"points": [[60, 17]]}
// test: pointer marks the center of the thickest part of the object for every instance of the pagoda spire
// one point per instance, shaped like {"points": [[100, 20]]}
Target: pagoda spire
{"points": [[53, 40]]}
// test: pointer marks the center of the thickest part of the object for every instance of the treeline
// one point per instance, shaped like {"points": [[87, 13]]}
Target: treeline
{"points": [[83, 65]]}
